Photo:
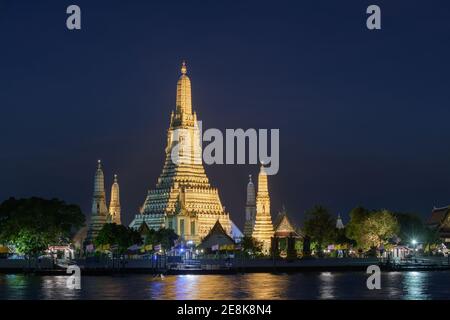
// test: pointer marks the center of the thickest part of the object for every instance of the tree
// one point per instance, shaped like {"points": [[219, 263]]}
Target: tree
{"points": [[306, 249], [252, 246], [355, 228], [412, 227], [342, 240], [371, 228], [319, 226], [117, 235], [380, 227], [165, 237], [150, 237], [431, 239], [31, 225]]}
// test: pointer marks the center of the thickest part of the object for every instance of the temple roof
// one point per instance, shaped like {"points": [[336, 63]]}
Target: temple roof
{"points": [[143, 229], [284, 227], [438, 215], [440, 221], [235, 231], [217, 235]]}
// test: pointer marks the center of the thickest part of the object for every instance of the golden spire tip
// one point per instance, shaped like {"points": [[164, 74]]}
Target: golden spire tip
{"points": [[183, 68]]}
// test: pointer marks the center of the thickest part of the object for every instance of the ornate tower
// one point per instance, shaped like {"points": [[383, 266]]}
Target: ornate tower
{"points": [[183, 199], [184, 100], [99, 209], [263, 228], [114, 205], [250, 208], [339, 223]]}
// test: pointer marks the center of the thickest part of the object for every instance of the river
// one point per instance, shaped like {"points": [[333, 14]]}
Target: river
{"points": [[307, 285]]}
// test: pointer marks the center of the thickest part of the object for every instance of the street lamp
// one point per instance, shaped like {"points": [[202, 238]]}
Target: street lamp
{"points": [[414, 242]]}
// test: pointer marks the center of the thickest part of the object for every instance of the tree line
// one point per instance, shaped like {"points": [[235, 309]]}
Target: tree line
{"points": [[32, 225], [367, 230]]}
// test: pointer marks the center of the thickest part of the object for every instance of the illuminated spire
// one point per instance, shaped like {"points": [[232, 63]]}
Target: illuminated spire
{"points": [[184, 99], [250, 208], [114, 206], [263, 189], [263, 228], [99, 213], [99, 202], [251, 195]]}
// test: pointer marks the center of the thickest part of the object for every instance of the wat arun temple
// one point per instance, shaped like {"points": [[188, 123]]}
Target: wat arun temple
{"points": [[183, 198]]}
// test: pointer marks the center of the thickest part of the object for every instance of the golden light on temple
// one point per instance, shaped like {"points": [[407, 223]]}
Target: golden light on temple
{"points": [[183, 199], [184, 98], [263, 227]]}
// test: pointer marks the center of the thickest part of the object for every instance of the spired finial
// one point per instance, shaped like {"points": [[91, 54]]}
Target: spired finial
{"points": [[99, 164], [183, 68], [262, 168], [249, 178], [115, 177]]}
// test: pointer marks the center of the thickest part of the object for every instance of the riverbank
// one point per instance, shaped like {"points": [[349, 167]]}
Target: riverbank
{"points": [[216, 266]]}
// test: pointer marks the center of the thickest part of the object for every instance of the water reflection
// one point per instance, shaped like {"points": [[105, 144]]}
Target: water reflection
{"points": [[391, 285], [327, 285], [309, 285], [219, 287], [415, 285]]}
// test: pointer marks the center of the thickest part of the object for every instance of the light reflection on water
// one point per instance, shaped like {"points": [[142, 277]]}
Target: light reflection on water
{"points": [[309, 285], [327, 285], [415, 285]]}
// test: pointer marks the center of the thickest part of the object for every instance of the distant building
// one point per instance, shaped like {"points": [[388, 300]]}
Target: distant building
{"points": [[100, 215], [339, 223], [440, 221], [99, 212], [250, 208]]}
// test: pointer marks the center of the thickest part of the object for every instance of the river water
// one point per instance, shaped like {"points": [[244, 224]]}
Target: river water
{"points": [[308, 285]]}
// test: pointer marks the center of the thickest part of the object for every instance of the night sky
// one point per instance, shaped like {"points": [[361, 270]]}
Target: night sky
{"points": [[364, 116]]}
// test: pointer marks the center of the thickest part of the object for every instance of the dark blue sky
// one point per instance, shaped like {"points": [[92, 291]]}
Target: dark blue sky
{"points": [[363, 115]]}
